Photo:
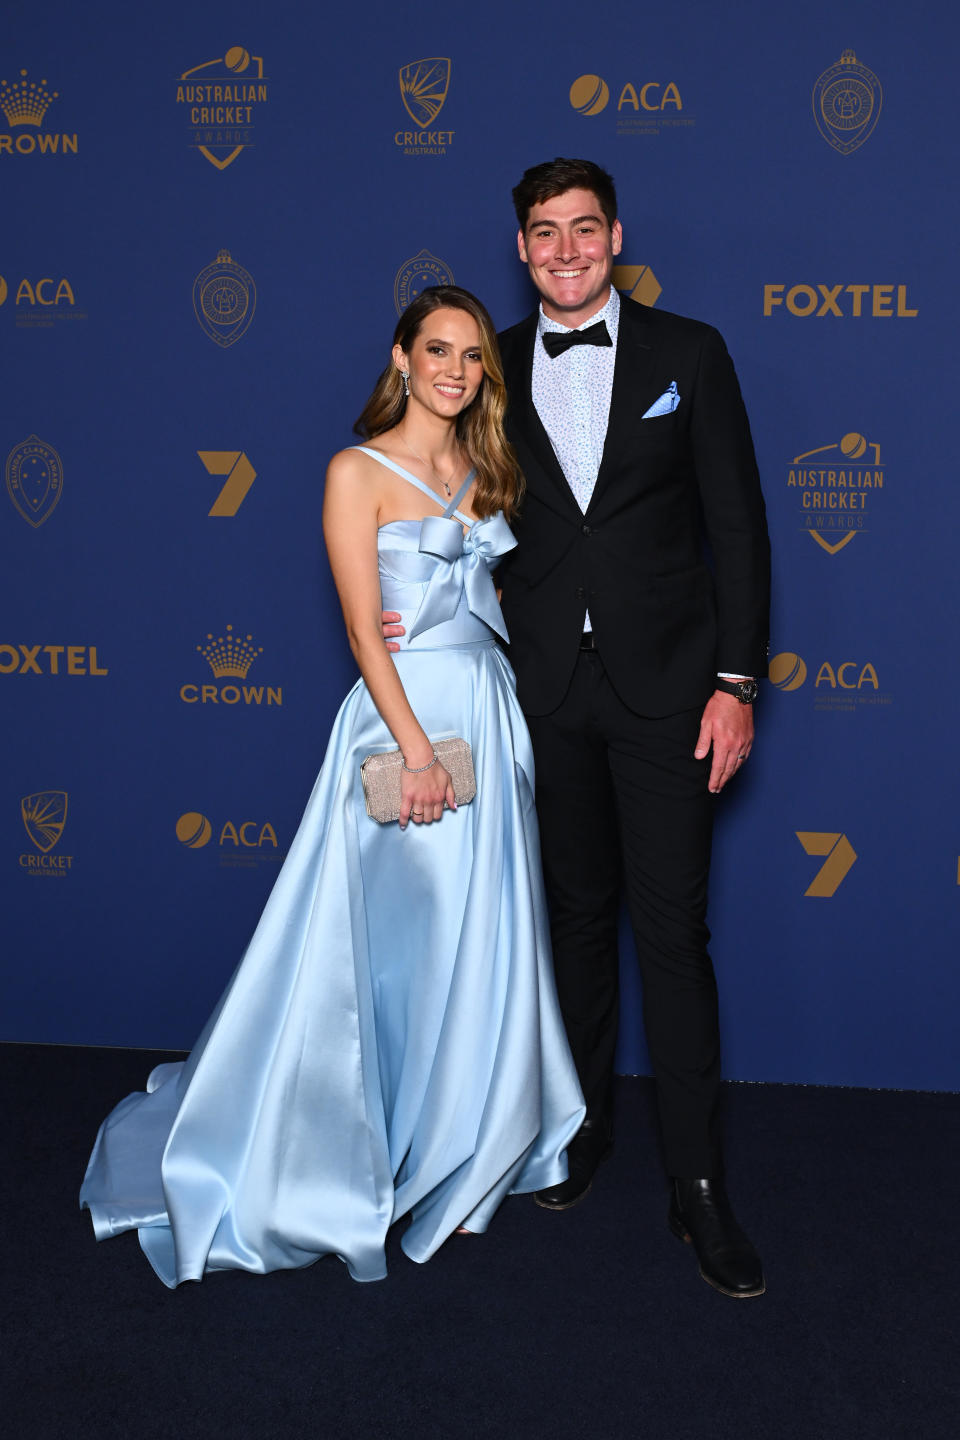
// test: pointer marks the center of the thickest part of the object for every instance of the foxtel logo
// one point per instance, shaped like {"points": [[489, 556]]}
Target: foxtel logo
{"points": [[876, 301], [48, 660]]}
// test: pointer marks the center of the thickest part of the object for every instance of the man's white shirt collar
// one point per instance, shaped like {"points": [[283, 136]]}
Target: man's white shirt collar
{"points": [[610, 314]]}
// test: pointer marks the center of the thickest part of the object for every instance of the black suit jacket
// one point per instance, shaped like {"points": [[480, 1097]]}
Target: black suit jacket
{"points": [[671, 557]]}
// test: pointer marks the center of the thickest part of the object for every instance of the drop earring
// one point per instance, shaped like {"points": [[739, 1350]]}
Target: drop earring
{"points": [[406, 384]]}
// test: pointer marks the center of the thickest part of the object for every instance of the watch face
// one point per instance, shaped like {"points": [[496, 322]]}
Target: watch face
{"points": [[749, 689]]}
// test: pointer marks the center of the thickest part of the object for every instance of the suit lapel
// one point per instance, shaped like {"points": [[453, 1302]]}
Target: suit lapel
{"points": [[633, 376], [518, 372]]}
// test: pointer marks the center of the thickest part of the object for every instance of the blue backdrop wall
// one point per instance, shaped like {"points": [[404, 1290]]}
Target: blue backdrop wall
{"points": [[212, 215]]}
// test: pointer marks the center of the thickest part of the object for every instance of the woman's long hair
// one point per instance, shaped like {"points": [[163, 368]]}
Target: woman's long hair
{"points": [[480, 429]]}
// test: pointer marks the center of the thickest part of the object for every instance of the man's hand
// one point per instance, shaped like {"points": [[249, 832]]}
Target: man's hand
{"points": [[727, 726], [389, 619]]}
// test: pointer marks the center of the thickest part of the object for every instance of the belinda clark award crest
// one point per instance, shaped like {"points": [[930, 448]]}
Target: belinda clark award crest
{"points": [[846, 104], [224, 299]]}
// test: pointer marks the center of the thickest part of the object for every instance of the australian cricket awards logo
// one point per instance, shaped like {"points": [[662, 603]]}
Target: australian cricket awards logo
{"points": [[836, 488], [25, 103], [424, 86], [220, 99], [230, 657], [846, 104], [416, 275], [224, 300], [34, 476], [44, 816]]}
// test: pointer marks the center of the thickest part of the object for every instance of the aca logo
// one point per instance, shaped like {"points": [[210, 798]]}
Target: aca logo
{"points": [[44, 816], [220, 101], [589, 94], [857, 302], [643, 108], [787, 671], [840, 857], [837, 685], [416, 274], [34, 476], [424, 86], [240, 476], [38, 304], [238, 845], [230, 657], [224, 300], [25, 103], [846, 104], [637, 282], [836, 488]]}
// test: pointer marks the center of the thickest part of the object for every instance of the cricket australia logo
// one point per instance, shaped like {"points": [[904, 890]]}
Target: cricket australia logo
{"points": [[423, 89]]}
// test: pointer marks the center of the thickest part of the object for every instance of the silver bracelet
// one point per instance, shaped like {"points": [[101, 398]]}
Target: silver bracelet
{"points": [[419, 769]]}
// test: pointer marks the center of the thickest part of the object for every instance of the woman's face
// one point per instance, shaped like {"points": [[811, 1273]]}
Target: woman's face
{"points": [[444, 362]]}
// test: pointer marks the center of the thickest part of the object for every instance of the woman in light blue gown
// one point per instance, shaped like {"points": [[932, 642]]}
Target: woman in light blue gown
{"points": [[390, 1044]]}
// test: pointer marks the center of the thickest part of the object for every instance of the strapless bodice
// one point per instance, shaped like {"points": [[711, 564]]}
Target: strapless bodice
{"points": [[440, 579]]}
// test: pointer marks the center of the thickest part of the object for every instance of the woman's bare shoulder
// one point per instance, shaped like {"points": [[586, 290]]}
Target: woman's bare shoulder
{"points": [[350, 468]]}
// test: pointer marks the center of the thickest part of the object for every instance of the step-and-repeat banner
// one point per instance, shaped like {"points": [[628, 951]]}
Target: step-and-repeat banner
{"points": [[212, 218]]}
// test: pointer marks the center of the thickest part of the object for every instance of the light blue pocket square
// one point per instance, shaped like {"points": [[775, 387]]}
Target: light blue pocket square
{"points": [[666, 405]]}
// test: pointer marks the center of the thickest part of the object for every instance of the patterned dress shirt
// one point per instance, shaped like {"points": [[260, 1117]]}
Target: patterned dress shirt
{"points": [[572, 393]]}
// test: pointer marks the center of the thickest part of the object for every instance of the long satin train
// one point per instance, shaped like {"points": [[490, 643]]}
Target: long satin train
{"points": [[390, 1044]]}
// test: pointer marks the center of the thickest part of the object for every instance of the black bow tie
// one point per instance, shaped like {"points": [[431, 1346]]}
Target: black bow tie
{"points": [[556, 341]]}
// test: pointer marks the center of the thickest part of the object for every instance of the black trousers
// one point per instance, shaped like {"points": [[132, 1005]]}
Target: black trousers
{"points": [[622, 803]]}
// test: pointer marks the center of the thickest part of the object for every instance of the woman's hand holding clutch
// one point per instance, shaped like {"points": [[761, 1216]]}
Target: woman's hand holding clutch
{"points": [[424, 794]]}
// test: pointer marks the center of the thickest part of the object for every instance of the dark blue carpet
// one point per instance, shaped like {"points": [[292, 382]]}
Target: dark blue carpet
{"points": [[590, 1323]]}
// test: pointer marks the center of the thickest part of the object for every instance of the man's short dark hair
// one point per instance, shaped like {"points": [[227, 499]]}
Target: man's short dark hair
{"points": [[555, 177]]}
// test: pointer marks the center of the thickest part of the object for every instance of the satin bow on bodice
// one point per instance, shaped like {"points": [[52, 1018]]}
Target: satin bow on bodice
{"points": [[448, 576], [462, 571], [435, 573]]}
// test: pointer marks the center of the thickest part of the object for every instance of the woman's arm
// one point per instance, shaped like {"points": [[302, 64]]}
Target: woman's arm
{"points": [[351, 515]]}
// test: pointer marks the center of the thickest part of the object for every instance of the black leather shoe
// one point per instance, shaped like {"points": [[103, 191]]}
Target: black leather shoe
{"points": [[700, 1214], [589, 1146]]}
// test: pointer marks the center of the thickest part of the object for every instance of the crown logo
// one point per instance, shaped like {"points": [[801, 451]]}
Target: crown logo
{"points": [[229, 654], [25, 102]]}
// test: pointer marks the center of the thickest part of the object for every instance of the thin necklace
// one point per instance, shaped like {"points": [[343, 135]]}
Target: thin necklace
{"points": [[446, 488]]}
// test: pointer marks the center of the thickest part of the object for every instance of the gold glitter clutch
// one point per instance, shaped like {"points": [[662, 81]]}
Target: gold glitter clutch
{"points": [[381, 777]]}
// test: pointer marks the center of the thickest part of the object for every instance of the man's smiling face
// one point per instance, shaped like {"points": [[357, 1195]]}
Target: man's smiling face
{"points": [[568, 247]]}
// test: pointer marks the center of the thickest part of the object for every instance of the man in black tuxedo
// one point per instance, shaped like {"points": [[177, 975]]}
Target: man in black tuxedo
{"points": [[637, 603]]}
